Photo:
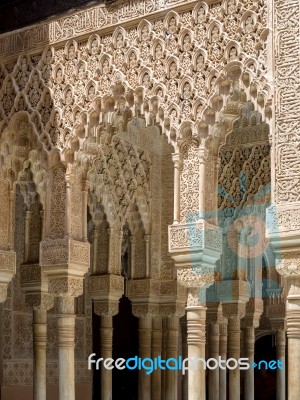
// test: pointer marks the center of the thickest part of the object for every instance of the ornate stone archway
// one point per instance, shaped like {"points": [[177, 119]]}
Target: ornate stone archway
{"points": [[112, 96]]}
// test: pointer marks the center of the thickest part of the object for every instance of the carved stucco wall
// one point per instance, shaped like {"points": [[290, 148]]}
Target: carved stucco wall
{"points": [[98, 93]]}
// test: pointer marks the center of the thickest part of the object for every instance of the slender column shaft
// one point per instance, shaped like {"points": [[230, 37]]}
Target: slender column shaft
{"points": [[145, 326], [1, 347], [147, 242], [213, 377], [249, 373], [280, 373], [106, 342], [196, 349], [184, 355], [156, 351], [172, 352], [293, 335], [39, 354], [176, 188], [234, 335], [68, 207], [202, 181], [66, 336], [27, 233], [84, 209], [12, 216], [132, 256], [223, 355], [95, 248]]}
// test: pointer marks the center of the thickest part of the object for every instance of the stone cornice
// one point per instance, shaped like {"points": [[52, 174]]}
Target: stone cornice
{"points": [[87, 21]]}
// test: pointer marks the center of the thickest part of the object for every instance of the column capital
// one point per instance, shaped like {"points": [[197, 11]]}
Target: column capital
{"points": [[107, 308], [214, 313], [103, 286], [145, 310], [66, 286], [176, 157], [39, 301], [254, 310], [288, 263], [172, 310], [275, 312], [234, 311], [65, 262], [168, 296], [283, 223], [233, 291], [197, 276], [203, 153], [34, 284]]}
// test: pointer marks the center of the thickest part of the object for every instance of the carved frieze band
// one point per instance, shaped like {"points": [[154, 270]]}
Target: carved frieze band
{"points": [[106, 284], [64, 251], [106, 308], [143, 287], [66, 286], [287, 75], [83, 22], [195, 236], [233, 290], [282, 220], [37, 301], [196, 276]]}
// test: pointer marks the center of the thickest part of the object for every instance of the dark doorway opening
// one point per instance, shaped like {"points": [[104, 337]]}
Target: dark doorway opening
{"points": [[265, 379], [125, 345]]}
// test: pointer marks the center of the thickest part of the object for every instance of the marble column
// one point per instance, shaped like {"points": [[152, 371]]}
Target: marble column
{"points": [[106, 343], [156, 351], [145, 330], [280, 373], [39, 353], [249, 353], [223, 355], [234, 309], [185, 383], [234, 336], [213, 374], [39, 300], [293, 335], [202, 161], [1, 346], [66, 337], [177, 166], [196, 349], [172, 352]]}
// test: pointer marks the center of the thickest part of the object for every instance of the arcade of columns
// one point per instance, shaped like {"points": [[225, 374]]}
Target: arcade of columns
{"points": [[166, 131]]}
